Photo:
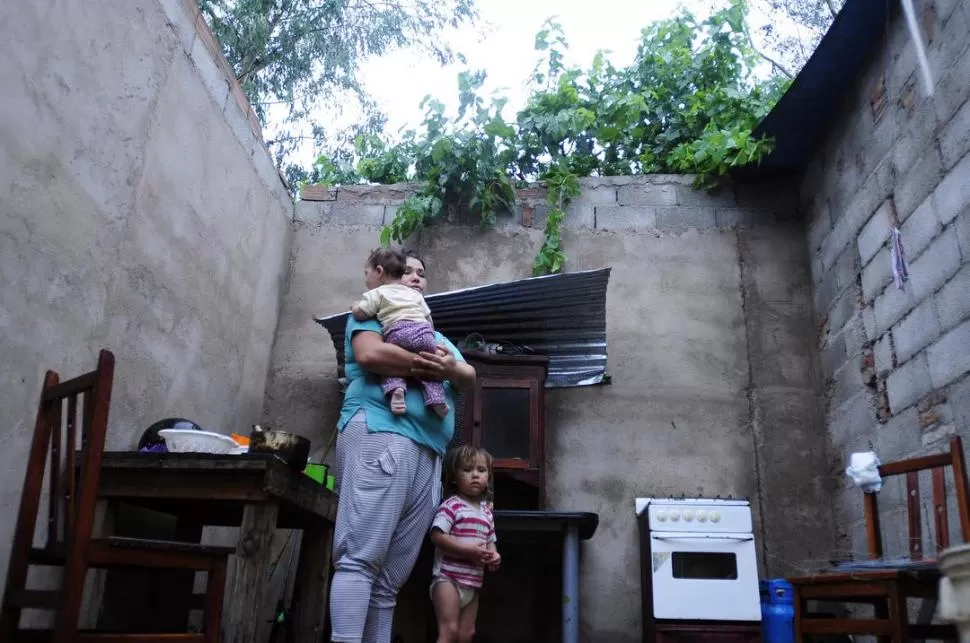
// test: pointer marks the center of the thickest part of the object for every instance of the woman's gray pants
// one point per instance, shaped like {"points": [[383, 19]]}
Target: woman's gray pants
{"points": [[390, 488]]}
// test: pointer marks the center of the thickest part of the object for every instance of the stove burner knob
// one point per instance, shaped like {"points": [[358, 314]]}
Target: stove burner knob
{"points": [[702, 516], [662, 515], [675, 515], [688, 515], [715, 516]]}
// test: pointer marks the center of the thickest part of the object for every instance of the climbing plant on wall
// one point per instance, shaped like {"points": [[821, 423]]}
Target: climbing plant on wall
{"points": [[687, 104]]}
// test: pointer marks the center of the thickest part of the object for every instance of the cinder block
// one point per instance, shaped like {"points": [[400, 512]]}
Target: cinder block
{"points": [[953, 300], [958, 396], [882, 353], [874, 234], [917, 125], [684, 217], [626, 217], [953, 194], [351, 213], [952, 89], [908, 383], [890, 306], [580, 215], [877, 275], [920, 228], [820, 226], [869, 322], [731, 218], [917, 330], [646, 194], [856, 416], [955, 137], [918, 182], [833, 355], [899, 437], [722, 196], [601, 190], [963, 234], [846, 382], [949, 358], [846, 307], [948, 42], [936, 265]]}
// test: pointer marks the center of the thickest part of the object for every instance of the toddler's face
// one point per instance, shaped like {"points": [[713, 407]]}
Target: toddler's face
{"points": [[473, 478]]}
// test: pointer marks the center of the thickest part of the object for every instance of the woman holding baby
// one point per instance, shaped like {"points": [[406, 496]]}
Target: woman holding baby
{"points": [[388, 462]]}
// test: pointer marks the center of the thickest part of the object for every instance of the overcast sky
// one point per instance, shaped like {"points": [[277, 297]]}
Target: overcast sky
{"points": [[502, 44]]}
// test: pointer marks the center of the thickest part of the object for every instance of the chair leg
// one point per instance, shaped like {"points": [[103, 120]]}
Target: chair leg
{"points": [[899, 616], [799, 615], [215, 584]]}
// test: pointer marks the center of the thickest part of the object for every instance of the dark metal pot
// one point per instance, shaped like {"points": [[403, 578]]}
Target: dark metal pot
{"points": [[291, 448]]}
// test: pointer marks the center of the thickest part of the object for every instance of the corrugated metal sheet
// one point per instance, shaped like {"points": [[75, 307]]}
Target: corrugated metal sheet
{"points": [[562, 316]]}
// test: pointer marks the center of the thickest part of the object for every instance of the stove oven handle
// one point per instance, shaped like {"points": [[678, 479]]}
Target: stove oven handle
{"points": [[734, 538]]}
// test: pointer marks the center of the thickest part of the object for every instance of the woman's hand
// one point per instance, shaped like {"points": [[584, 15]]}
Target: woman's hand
{"points": [[442, 365]]}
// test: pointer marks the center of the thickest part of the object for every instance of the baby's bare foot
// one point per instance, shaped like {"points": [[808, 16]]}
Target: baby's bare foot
{"points": [[398, 406]]}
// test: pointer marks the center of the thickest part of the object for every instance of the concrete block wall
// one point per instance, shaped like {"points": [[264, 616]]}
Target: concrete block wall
{"points": [[896, 360], [711, 349], [139, 211]]}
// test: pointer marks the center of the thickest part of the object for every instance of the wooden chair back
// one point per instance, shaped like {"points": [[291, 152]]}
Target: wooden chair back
{"points": [[911, 469], [72, 420]]}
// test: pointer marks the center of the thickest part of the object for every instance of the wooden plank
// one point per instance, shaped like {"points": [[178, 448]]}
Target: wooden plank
{"points": [[312, 586], [941, 522], [873, 530], [189, 461], [246, 589], [960, 483], [299, 490], [914, 464], [159, 483], [846, 626], [845, 590], [71, 387], [55, 494], [914, 516]]}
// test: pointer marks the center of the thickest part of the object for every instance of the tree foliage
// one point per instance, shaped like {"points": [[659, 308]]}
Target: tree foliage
{"points": [[297, 53], [686, 104], [793, 31]]}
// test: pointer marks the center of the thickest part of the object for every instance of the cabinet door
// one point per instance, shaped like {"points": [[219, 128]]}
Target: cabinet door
{"points": [[506, 419]]}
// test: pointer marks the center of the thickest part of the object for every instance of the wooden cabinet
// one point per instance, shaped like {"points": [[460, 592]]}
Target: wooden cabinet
{"points": [[505, 414]]}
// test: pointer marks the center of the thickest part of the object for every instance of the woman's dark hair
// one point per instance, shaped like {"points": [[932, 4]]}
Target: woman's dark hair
{"points": [[391, 261], [411, 253]]}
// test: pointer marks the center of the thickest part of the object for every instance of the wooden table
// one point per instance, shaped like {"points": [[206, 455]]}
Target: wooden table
{"points": [[258, 494]]}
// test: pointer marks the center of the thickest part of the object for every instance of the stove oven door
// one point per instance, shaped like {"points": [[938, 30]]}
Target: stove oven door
{"points": [[705, 577]]}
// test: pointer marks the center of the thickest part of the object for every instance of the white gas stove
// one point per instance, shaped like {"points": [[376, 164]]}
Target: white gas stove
{"points": [[702, 559]]}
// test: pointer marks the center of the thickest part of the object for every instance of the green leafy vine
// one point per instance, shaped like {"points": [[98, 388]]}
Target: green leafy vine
{"points": [[688, 103]]}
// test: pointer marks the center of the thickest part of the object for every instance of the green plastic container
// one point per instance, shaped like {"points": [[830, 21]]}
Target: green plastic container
{"points": [[317, 472]]}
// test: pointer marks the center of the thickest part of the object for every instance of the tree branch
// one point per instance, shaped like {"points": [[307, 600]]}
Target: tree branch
{"points": [[777, 65]]}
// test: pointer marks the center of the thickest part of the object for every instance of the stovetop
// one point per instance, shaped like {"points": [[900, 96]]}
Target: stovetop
{"points": [[696, 515]]}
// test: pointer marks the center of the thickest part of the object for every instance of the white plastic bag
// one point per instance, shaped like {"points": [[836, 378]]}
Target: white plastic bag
{"points": [[864, 470]]}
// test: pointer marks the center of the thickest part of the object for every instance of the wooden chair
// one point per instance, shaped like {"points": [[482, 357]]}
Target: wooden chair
{"points": [[74, 447], [886, 584]]}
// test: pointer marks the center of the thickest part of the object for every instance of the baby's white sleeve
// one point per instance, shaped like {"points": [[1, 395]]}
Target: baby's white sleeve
{"points": [[370, 303]]}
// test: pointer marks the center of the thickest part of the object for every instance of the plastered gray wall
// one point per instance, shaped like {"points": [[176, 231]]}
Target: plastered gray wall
{"points": [[895, 361], [140, 212], [711, 349]]}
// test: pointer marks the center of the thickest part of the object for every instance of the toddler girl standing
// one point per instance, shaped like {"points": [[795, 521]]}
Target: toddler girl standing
{"points": [[463, 533]]}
